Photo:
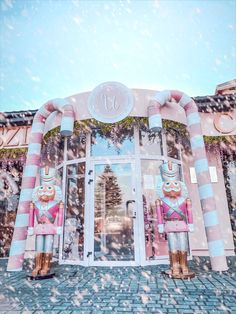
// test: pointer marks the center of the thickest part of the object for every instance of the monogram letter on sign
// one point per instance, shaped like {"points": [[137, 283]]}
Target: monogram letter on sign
{"points": [[110, 102]]}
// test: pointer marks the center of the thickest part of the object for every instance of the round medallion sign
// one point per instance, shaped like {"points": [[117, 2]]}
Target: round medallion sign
{"points": [[224, 122], [110, 102]]}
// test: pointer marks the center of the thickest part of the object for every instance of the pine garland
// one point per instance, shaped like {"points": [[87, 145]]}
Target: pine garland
{"points": [[12, 152], [226, 139], [86, 126]]}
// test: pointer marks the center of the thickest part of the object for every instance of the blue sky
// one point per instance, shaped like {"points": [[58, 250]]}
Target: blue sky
{"points": [[53, 49]]}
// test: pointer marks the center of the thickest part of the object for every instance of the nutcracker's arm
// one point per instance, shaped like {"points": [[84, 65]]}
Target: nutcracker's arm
{"points": [[189, 211], [31, 219], [60, 215], [60, 218], [189, 215], [159, 216], [31, 215]]}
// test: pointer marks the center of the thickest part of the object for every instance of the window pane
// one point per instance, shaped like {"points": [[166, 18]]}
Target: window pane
{"points": [[73, 246], [231, 167], [52, 151], [172, 144], [150, 142], [76, 146], [115, 142]]}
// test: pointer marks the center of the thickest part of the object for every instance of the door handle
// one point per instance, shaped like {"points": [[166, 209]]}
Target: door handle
{"points": [[89, 253], [132, 213]]}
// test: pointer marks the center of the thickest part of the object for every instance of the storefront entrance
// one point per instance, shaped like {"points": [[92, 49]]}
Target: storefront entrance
{"points": [[116, 225], [109, 196]]}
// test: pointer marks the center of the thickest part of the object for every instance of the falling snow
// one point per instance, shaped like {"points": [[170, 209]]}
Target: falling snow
{"points": [[52, 49]]}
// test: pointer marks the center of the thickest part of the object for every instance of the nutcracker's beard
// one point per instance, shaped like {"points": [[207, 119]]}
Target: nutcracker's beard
{"points": [[46, 198], [172, 189], [46, 193], [172, 194]]}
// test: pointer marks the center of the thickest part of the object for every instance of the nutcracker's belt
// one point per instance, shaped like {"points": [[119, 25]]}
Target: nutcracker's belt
{"points": [[42, 222], [173, 219], [175, 226]]}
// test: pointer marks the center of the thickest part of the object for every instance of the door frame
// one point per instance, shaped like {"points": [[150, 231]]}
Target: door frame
{"points": [[89, 229]]}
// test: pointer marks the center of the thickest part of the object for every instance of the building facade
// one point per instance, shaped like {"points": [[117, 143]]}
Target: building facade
{"points": [[109, 169]]}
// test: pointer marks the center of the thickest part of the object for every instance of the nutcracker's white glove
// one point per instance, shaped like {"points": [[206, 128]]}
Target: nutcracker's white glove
{"points": [[30, 231], [190, 227], [161, 228], [59, 230]]}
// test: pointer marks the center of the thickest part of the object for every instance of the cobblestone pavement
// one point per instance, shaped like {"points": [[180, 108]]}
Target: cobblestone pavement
{"points": [[105, 290]]}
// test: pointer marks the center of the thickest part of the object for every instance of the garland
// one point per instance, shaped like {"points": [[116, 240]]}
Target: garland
{"points": [[86, 126], [215, 140], [220, 144], [13, 152], [52, 134]]}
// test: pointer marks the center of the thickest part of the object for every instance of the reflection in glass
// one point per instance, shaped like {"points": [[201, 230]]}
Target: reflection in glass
{"points": [[52, 152], [113, 230], [172, 143], [155, 243], [150, 142], [10, 183], [231, 189], [73, 244], [231, 167], [76, 146], [115, 142]]}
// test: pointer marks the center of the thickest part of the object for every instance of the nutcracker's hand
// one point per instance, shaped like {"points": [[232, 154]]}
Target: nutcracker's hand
{"points": [[59, 230], [161, 228], [190, 227], [30, 231]]}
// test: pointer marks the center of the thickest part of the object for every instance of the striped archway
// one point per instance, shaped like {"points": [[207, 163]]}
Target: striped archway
{"points": [[210, 215], [17, 250]]}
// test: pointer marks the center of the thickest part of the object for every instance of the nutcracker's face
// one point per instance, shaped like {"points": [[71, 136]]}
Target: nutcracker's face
{"points": [[46, 193], [172, 189]]}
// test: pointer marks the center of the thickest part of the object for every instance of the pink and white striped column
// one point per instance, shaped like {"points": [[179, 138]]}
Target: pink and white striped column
{"points": [[210, 215], [17, 250]]}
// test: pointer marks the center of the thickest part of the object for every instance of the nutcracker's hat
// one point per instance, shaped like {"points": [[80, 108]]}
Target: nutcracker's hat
{"points": [[169, 171], [47, 175]]}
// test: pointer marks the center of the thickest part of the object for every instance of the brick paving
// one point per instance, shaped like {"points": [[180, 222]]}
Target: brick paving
{"points": [[106, 290]]}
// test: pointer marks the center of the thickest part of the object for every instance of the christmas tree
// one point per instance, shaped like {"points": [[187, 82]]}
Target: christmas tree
{"points": [[108, 189]]}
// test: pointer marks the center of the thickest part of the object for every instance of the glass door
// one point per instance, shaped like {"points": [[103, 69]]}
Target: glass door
{"points": [[72, 244], [112, 214], [156, 247]]}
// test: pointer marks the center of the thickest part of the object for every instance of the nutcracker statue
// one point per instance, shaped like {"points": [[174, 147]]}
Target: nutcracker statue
{"points": [[175, 218], [47, 209]]}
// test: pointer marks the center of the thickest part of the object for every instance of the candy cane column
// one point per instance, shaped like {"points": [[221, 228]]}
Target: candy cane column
{"points": [[210, 216], [17, 250]]}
